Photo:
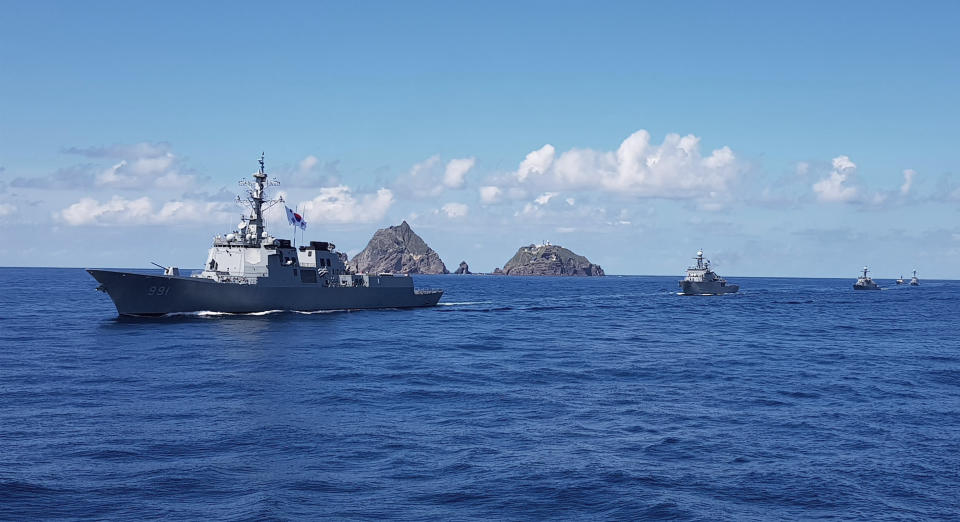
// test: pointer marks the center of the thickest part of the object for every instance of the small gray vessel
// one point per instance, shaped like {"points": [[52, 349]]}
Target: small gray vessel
{"points": [[249, 270], [701, 280], [913, 280], [864, 282]]}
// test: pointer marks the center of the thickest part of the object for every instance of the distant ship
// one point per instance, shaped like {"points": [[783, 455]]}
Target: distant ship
{"points": [[913, 280], [900, 280], [864, 282], [249, 270], [701, 280]]}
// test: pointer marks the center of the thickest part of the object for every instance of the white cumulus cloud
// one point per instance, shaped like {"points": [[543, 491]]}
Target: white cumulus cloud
{"points": [[536, 162], [456, 171], [908, 176], [490, 194], [674, 168], [837, 186], [534, 208]]}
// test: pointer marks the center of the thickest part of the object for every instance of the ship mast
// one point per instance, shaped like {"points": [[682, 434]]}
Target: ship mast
{"points": [[255, 200]]}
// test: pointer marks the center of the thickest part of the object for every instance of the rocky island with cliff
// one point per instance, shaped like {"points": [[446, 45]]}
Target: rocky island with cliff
{"points": [[398, 250], [548, 260]]}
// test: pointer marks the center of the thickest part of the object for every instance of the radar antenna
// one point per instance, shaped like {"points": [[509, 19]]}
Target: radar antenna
{"points": [[256, 190]]}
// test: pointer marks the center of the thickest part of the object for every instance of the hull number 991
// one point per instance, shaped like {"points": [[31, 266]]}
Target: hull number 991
{"points": [[158, 290]]}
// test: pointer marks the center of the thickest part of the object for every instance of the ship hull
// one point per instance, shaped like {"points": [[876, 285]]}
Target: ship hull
{"points": [[866, 287], [142, 294], [704, 288]]}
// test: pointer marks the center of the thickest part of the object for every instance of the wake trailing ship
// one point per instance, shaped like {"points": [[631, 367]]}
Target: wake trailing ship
{"points": [[701, 280], [864, 282], [913, 280], [249, 270]]}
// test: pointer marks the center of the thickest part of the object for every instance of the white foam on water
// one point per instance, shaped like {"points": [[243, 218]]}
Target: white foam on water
{"points": [[464, 303], [208, 313]]}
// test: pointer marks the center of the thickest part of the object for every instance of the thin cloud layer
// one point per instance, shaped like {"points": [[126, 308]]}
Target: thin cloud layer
{"points": [[455, 210], [143, 149], [310, 172], [142, 165], [339, 205], [137, 173], [431, 177], [120, 211]]}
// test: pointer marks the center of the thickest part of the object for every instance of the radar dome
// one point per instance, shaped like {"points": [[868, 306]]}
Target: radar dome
{"points": [[231, 237]]}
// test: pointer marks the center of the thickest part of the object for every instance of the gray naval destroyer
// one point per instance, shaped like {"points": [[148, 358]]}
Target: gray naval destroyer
{"points": [[249, 270], [865, 282], [701, 280]]}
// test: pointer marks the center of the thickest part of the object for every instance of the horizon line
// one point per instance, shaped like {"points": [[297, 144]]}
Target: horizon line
{"points": [[491, 273]]}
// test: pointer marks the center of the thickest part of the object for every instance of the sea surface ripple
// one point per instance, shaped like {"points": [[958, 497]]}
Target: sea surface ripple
{"points": [[517, 398]]}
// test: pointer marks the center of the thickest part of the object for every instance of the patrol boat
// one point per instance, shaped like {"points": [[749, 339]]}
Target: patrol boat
{"points": [[913, 280], [249, 270], [701, 280], [864, 282], [900, 280]]}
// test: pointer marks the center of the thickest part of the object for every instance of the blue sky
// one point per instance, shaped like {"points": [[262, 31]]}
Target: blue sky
{"points": [[778, 139]]}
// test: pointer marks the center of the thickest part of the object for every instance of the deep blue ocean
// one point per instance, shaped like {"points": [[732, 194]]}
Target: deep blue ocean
{"points": [[517, 398]]}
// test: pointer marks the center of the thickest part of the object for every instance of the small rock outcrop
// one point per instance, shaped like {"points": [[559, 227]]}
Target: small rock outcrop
{"points": [[463, 269], [549, 260], [397, 250]]}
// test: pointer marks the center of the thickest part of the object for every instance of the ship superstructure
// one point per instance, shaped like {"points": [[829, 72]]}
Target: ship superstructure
{"points": [[913, 280], [702, 280], [250, 270]]}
